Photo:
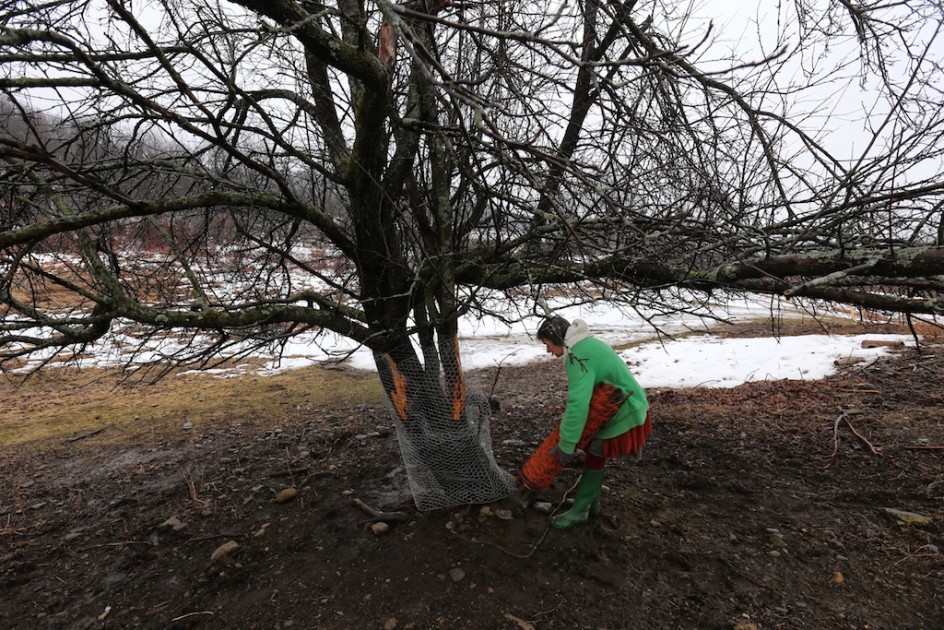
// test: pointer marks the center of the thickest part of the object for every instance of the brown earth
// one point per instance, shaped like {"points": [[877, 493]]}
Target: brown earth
{"points": [[755, 507]]}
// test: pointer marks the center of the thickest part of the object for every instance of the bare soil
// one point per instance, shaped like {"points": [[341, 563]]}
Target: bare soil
{"points": [[757, 507]]}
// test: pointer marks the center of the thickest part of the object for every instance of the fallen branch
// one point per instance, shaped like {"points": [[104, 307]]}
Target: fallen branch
{"points": [[290, 472], [85, 435], [192, 614], [524, 625], [215, 536], [123, 543], [859, 391], [547, 529], [378, 516], [844, 417], [875, 451], [534, 548]]}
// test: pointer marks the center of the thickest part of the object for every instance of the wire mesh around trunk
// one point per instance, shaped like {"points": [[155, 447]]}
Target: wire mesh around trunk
{"points": [[448, 460]]}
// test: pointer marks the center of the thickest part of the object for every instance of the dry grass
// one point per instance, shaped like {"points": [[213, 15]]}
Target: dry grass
{"points": [[67, 403]]}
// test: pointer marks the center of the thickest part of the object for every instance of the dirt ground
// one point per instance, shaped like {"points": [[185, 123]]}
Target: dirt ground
{"points": [[763, 506]]}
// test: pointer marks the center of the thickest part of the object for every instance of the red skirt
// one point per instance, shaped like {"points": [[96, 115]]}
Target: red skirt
{"points": [[628, 442], [542, 468]]}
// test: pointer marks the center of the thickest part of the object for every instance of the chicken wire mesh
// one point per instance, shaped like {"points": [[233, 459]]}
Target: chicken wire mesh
{"points": [[446, 446]]}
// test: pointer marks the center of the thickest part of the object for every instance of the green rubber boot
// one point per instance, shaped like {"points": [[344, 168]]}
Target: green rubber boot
{"points": [[588, 492], [595, 508]]}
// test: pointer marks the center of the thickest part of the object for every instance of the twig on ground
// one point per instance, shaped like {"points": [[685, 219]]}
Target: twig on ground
{"points": [[832, 455], [193, 614], [85, 435], [844, 417], [875, 451], [380, 516], [290, 472], [524, 625], [192, 487], [928, 447], [121, 543], [489, 543], [491, 392], [534, 548], [213, 536]]}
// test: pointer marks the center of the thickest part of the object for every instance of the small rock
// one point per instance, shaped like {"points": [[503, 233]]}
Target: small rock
{"points": [[513, 443], [544, 507], [286, 495], [71, 536], [380, 528], [261, 531], [173, 523], [485, 511], [456, 574], [906, 518], [504, 515], [223, 552], [838, 577], [390, 624], [187, 426]]}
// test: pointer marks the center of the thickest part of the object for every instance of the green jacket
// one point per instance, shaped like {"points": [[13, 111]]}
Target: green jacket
{"points": [[589, 362]]}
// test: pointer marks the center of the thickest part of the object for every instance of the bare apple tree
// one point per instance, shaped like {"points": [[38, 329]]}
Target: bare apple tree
{"points": [[215, 177]]}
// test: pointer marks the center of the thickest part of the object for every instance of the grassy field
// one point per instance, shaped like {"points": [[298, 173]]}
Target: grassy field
{"points": [[68, 403]]}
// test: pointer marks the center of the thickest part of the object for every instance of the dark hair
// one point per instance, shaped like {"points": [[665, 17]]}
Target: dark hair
{"points": [[554, 329]]}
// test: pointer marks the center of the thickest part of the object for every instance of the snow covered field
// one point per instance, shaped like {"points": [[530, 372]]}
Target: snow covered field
{"points": [[689, 359], [664, 351]]}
